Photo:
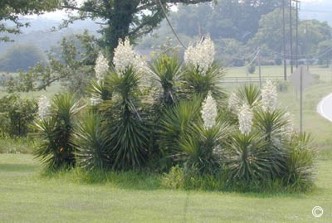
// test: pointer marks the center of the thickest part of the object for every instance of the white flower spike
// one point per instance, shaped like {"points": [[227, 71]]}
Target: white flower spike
{"points": [[209, 111], [269, 96], [201, 55], [101, 67], [245, 117], [44, 106], [125, 57]]}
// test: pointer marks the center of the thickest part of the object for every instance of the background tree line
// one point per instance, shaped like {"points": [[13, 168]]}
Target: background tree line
{"points": [[238, 28]]}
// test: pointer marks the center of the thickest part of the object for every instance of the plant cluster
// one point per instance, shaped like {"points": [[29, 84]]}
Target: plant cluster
{"points": [[16, 115], [175, 117]]}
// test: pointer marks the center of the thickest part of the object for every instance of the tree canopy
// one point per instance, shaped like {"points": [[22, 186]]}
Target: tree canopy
{"points": [[121, 18], [11, 10], [226, 19]]}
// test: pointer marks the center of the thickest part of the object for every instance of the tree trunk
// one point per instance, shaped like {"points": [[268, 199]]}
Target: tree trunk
{"points": [[120, 18]]}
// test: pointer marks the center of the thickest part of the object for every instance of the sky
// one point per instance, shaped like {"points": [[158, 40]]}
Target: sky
{"points": [[306, 12]]}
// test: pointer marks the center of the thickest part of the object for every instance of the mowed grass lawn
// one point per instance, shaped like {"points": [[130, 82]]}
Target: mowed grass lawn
{"points": [[28, 196], [25, 196]]}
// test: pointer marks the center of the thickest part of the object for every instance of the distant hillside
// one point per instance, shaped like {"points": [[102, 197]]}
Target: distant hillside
{"points": [[40, 33]]}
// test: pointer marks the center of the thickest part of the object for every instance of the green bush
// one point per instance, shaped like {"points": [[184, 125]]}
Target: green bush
{"points": [[16, 115], [56, 131], [167, 72], [176, 124], [195, 83], [93, 143], [300, 163]]}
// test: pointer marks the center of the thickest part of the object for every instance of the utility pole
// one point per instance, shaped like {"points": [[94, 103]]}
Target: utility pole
{"points": [[284, 39], [291, 34], [306, 38], [259, 68], [297, 2]]}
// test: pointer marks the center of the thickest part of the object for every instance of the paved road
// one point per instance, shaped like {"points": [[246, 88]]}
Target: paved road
{"points": [[324, 108]]}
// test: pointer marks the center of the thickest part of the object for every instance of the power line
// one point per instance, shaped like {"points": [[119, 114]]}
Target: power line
{"points": [[170, 24]]}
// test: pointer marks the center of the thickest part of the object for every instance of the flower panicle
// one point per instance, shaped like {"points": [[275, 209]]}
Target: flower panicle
{"points": [[201, 55], [234, 103], [245, 117], [44, 106], [269, 96], [209, 111], [125, 57], [101, 67]]}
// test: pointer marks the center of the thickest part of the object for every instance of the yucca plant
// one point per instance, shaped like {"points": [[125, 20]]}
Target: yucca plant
{"points": [[203, 149], [167, 74], [201, 74], [127, 128], [247, 158], [273, 125], [177, 123], [249, 94], [93, 143], [99, 90], [200, 84], [56, 150], [300, 162]]}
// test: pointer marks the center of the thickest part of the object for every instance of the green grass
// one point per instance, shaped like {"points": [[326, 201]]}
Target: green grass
{"points": [[26, 196]]}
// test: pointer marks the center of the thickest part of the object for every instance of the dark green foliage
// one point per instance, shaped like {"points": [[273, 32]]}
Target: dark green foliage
{"points": [[247, 158], [300, 162], [175, 125], [203, 149], [92, 141], [249, 94], [129, 141], [56, 131], [16, 115], [272, 124], [124, 132], [97, 89], [128, 130], [13, 11], [123, 17], [197, 83], [168, 74]]}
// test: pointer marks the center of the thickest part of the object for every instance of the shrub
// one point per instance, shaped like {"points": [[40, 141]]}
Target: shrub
{"points": [[247, 158], [127, 126], [202, 149], [176, 124], [56, 131], [300, 162], [174, 179], [93, 143], [16, 115], [167, 72]]}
